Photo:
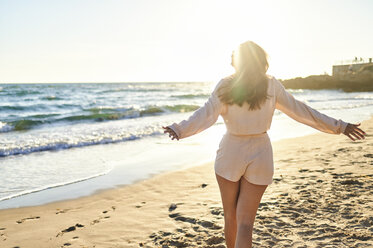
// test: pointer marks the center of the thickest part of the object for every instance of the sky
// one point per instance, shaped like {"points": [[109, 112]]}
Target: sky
{"points": [[175, 40]]}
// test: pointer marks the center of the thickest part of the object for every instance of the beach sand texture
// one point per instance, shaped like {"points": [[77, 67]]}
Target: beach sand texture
{"points": [[321, 197]]}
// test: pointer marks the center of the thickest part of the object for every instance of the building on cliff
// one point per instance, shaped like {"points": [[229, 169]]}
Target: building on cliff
{"points": [[350, 66]]}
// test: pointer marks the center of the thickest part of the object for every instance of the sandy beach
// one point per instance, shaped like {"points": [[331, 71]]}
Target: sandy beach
{"points": [[321, 197]]}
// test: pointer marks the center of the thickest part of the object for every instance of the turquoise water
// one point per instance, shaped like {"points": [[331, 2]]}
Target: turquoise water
{"points": [[55, 108], [60, 134]]}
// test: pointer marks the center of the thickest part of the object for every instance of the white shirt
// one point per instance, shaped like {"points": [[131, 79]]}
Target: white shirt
{"points": [[241, 121]]}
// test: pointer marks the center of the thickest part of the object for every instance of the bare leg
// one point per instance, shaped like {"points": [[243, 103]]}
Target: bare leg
{"points": [[229, 192], [247, 206]]}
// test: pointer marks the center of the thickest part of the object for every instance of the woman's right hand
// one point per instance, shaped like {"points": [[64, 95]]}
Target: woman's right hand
{"points": [[353, 130], [170, 132]]}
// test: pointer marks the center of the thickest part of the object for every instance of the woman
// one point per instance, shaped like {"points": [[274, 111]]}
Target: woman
{"points": [[244, 164]]}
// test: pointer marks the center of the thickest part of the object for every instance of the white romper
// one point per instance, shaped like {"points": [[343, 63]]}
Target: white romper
{"points": [[245, 149]]}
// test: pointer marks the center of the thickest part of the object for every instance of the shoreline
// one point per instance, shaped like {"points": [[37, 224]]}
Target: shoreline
{"points": [[186, 202], [98, 183], [117, 176]]}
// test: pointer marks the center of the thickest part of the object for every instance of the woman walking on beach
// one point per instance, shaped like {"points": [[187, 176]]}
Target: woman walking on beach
{"points": [[244, 160]]}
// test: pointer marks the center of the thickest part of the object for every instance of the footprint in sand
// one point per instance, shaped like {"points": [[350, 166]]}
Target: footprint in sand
{"points": [[102, 217], [277, 180], [344, 149], [93, 222], [190, 236], [217, 211], [106, 216], [61, 211], [172, 207], [340, 175], [139, 206], [215, 240], [203, 223], [351, 182], [28, 218], [3, 236], [70, 229]]}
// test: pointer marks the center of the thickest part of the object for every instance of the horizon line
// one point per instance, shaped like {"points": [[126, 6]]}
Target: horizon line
{"points": [[115, 82]]}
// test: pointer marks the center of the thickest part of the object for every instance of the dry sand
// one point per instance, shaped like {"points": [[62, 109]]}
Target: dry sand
{"points": [[321, 197]]}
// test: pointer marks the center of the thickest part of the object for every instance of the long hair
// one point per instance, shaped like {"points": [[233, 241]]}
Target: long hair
{"points": [[249, 83]]}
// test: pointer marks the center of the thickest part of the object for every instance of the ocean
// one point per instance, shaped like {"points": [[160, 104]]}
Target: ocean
{"points": [[60, 141]]}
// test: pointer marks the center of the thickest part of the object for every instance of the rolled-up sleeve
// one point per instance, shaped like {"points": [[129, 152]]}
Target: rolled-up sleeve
{"points": [[303, 113], [202, 118]]}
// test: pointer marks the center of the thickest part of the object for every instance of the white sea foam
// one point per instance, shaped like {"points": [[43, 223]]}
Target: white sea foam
{"points": [[4, 127]]}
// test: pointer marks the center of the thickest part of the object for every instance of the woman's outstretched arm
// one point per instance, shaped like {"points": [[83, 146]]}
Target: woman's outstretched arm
{"points": [[201, 119], [303, 113]]}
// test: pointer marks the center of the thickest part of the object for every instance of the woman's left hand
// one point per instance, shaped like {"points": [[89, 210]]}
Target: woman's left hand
{"points": [[352, 130]]}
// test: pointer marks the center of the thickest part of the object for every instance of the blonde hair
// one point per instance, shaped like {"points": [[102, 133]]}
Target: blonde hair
{"points": [[250, 82]]}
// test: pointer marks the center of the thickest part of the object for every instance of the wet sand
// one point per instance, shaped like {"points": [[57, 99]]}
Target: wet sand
{"points": [[321, 197]]}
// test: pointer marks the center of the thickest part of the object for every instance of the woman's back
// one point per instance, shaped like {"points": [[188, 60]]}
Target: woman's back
{"points": [[240, 120]]}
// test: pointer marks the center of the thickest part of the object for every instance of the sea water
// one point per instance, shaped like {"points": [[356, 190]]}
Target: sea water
{"points": [[60, 141]]}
